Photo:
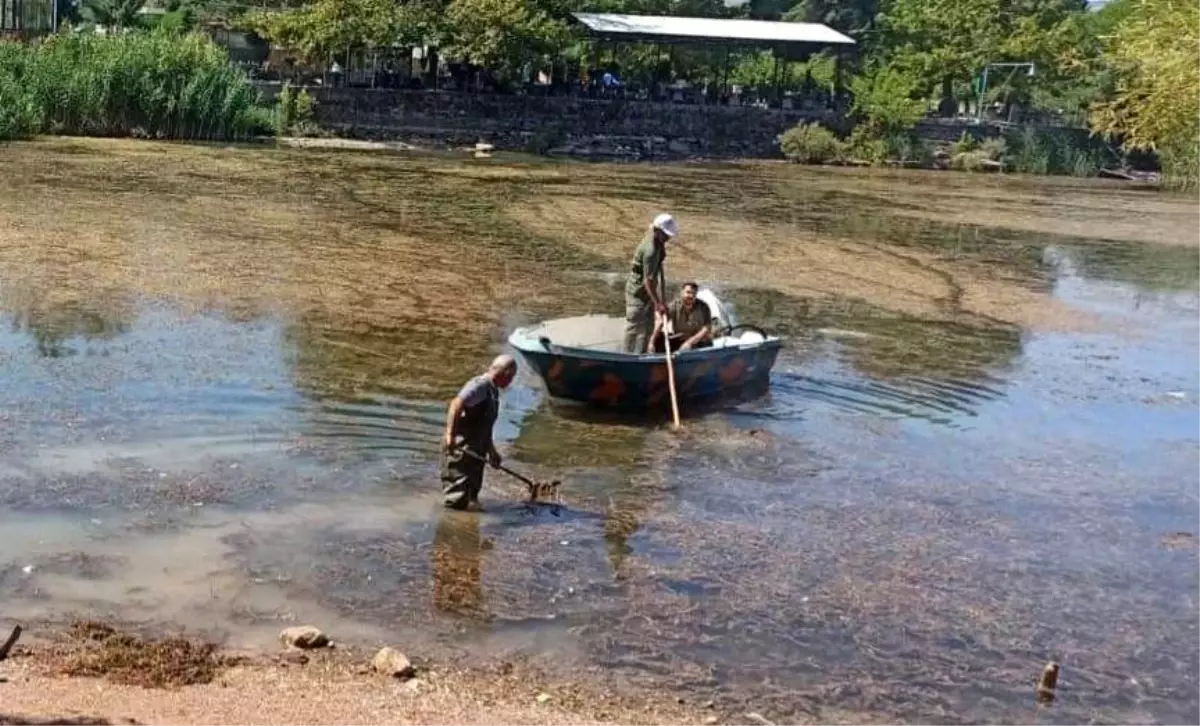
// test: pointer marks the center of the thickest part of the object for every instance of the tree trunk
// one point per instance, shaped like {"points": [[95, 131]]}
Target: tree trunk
{"points": [[947, 107]]}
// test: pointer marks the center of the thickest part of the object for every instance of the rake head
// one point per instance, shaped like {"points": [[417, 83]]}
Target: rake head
{"points": [[543, 489]]}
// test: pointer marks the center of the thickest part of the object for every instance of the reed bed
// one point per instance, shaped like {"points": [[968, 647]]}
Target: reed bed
{"points": [[154, 84]]}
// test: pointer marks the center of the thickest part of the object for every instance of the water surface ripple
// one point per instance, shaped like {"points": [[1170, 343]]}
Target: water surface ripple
{"points": [[908, 524]]}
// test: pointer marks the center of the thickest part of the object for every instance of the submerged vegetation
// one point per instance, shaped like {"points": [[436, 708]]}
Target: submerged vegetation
{"points": [[100, 651], [152, 84], [329, 303]]}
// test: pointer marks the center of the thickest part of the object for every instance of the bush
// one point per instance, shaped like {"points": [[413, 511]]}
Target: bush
{"points": [[20, 116], [977, 160], [867, 147], [294, 112], [1055, 151], [994, 148], [811, 143], [966, 142], [158, 84], [1179, 160], [907, 148]]}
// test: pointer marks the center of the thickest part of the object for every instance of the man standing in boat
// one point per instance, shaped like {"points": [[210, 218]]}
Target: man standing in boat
{"points": [[645, 288], [690, 322], [467, 440]]}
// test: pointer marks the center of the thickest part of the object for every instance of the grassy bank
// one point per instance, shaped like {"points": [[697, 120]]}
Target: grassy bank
{"points": [[150, 84]]}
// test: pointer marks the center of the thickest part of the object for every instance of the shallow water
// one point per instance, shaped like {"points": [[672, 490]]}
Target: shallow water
{"points": [[919, 514]]}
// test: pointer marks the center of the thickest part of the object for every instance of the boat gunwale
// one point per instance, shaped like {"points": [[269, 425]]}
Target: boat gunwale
{"points": [[535, 346]]}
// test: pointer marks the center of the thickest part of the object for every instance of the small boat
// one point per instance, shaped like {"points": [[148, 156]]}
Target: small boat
{"points": [[581, 359]]}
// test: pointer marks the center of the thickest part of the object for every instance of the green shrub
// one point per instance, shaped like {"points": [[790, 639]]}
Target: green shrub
{"points": [[1055, 151], [294, 112], [285, 109], [966, 142], [866, 147], [973, 161], [979, 156], [1179, 160], [159, 84], [907, 148], [811, 143], [994, 148], [1086, 164]]}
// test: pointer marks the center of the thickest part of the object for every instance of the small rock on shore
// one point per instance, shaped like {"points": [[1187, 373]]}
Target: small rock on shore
{"points": [[392, 662], [304, 637]]}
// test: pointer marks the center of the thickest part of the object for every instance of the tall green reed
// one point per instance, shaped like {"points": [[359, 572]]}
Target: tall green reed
{"points": [[1033, 150], [1180, 164], [157, 84], [19, 115]]}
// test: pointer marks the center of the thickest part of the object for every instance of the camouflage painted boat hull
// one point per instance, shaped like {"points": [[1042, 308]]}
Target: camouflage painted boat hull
{"points": [[623, 381]]}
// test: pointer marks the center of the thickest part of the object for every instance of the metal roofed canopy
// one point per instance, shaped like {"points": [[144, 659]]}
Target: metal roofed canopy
{"points": [[727, 30]]}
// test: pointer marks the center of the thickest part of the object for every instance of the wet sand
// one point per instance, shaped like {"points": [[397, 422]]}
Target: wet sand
{"points": [[332, 686]]}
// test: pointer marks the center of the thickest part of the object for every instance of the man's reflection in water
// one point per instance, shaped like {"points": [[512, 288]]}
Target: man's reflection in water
{"points": [[620, 523], [458, 565]]}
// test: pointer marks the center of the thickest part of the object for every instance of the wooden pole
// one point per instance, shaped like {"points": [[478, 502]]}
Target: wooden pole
{"points": [[667, 329], [666, 333]]}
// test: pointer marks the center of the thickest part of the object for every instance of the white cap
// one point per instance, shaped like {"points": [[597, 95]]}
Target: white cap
{"points": [[667, 224]]}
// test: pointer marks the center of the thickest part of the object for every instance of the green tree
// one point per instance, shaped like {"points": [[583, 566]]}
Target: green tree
{"points": [[949, 42], [115, 14], [1156, 99], [501, 34], [853, 17], [885, 100], [332, 26]]}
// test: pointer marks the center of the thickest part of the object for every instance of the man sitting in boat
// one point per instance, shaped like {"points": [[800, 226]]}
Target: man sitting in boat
{"points": [[690, 322]]}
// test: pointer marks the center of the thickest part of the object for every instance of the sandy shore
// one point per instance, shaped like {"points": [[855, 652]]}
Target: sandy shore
{"points": [[62, 674], [296, 695], [331, 685]]}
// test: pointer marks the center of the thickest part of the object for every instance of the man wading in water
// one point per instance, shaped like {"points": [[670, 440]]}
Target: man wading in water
{"points": [[469, 422], [644, 287]]}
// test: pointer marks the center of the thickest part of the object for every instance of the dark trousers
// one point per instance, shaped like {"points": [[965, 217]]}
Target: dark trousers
{"points": [[462, 479], [676, 341]]}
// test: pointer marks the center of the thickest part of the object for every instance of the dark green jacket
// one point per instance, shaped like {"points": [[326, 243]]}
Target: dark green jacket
{"points": [[647, 264], [688, 323]]}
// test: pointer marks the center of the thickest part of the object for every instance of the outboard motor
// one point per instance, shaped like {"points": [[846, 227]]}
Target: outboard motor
{"points": [[723, 317]]}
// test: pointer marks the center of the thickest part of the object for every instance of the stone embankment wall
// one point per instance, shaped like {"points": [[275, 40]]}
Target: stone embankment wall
{"points": [[563, 124], [576, 125]]}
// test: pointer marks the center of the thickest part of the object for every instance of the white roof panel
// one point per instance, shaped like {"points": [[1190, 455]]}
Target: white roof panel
{"points": [[761, 31]]}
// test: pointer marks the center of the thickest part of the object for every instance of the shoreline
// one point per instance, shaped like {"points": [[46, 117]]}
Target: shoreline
{"points": [[41, 682], [332, 139]]}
